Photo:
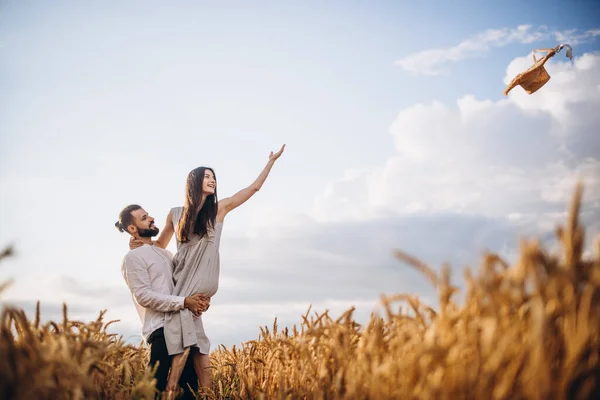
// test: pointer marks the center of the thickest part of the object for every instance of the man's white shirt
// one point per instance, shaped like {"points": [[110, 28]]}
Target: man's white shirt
{"points": [[148, 272]]}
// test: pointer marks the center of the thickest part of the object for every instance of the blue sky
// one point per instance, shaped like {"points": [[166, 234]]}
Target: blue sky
{"points": [[397, 135]]}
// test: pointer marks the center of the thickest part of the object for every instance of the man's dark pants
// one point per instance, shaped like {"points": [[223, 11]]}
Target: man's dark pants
{"points": [[158, 352]]}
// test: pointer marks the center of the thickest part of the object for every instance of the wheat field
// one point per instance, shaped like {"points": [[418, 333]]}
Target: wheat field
{"points": [[523, 331]]}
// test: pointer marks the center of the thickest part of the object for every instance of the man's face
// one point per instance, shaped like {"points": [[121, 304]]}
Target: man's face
{"points": [[144, 224]]}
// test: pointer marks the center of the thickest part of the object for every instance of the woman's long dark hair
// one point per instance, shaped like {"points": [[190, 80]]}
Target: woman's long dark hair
{"points": [[195, 219]]}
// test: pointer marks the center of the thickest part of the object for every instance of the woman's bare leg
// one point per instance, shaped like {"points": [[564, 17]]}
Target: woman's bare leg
{"points": [[177, 365], [202, 367]]}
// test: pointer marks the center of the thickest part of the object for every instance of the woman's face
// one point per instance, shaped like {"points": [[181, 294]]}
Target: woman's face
{"points": [[209, 185]]}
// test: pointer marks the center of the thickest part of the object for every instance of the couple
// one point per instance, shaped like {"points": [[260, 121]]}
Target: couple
{"points": [[171, 292]]}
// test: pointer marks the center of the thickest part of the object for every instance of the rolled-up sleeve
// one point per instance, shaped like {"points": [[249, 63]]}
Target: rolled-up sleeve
{"points": [[138, 280]]}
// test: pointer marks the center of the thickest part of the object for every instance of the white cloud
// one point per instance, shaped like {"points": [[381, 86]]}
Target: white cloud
{"points": [[573, 37], [432, 62], [519, 155]]}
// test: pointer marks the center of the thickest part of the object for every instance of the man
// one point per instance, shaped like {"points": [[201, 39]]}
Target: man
{"points": [[148, 273]]}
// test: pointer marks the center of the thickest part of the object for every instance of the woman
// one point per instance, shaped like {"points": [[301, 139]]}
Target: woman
{"points": [[198, 226]]}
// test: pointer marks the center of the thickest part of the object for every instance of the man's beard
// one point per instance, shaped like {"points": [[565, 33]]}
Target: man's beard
{"points": [[148, 232]]}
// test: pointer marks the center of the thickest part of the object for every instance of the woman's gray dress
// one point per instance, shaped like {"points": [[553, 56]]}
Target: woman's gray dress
{"points": [[196, 269]]}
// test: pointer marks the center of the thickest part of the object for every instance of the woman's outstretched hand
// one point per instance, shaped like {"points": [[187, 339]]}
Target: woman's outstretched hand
{"points": [[228, 204], [273, 157]]}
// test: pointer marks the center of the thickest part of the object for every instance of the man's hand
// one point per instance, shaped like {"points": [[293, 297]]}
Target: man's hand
{"points": [[197, 303], [205, 303]]}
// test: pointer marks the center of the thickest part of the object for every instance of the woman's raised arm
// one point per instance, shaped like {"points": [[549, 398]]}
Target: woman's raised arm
{"points": [[231, 203]]}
